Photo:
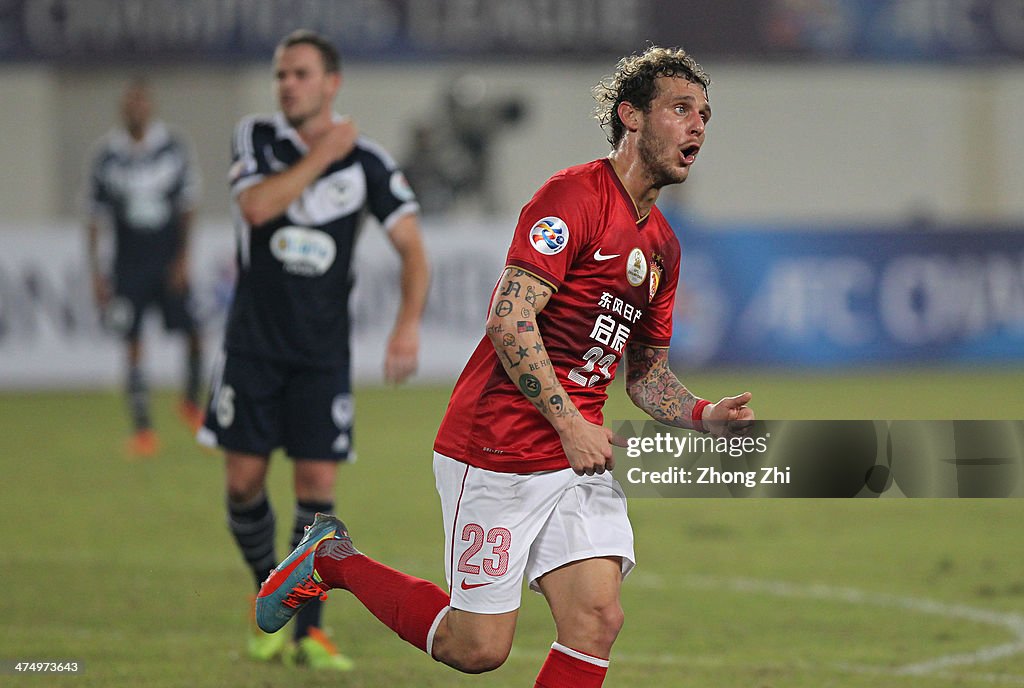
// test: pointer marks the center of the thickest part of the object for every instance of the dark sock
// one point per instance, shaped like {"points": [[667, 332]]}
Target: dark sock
{"points": [[138, 399], [305, 511], [252, 524], [193, 375]]}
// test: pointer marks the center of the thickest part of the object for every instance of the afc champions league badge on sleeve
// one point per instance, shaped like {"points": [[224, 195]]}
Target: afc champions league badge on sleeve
{"points": [[549, 236]]}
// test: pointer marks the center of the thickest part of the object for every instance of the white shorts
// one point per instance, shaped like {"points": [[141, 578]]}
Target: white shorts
{"points": [[499, 527]]}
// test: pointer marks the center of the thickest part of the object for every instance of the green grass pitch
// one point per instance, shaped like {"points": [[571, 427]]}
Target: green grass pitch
{"points": [[129, 567]]}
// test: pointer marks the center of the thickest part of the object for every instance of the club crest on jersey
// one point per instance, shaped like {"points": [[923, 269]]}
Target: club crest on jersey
{"points": [[655, 277], [342, 193], [636, 267], [549, 236]]}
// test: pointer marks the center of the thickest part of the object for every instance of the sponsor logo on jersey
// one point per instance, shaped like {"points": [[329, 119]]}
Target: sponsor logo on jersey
{"points": [[549, 236], [598, 256], [399, 186], [303, 251], [636, 267]]}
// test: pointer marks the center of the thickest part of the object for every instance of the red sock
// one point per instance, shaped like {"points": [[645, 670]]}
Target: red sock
{"points": [[411, 607], [569, 668]]}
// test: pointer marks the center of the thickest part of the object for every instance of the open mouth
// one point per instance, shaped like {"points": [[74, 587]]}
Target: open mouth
{"points": [[690, 154]]}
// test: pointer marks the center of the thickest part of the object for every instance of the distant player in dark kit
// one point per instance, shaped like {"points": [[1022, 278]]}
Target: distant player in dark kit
{"points": [[144, 183], [522, 462], [302, 182]]}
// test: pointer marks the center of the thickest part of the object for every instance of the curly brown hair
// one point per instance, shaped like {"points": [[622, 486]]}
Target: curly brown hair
{"points": [[635, 81]]}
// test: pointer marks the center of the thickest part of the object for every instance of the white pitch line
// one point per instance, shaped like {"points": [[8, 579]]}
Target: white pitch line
{"points": [[985, 654], [1014, 623], [1007, 679]]}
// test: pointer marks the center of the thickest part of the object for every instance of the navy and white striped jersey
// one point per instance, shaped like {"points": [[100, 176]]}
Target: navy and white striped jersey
{"points": [[295, 272], [143, 188]]}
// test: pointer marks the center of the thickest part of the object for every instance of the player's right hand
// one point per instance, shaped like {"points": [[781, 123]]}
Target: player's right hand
{"points": [[730, 416], [340, 138], [587, 446]]}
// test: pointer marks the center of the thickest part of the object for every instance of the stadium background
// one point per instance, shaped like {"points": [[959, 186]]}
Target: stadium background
{"points": [[857, 216]]}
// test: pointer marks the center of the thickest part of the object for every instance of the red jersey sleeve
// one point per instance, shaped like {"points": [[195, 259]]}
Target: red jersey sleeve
{"points": [[655, 327], [553, 228]]}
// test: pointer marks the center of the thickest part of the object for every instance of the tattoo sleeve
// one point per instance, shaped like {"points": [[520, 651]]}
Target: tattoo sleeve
{"points": [[513, 331], [655, 389]]}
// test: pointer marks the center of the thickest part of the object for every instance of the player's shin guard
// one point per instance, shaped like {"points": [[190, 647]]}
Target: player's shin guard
{"points": [[305, 511], [409, 606], [252, 525], [569, 668]]}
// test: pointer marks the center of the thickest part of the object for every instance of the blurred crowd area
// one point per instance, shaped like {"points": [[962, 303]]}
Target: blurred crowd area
{"points": [[787, 142]]}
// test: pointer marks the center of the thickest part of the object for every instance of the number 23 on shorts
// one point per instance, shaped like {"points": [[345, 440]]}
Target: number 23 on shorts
{"points": [[494, 560]]}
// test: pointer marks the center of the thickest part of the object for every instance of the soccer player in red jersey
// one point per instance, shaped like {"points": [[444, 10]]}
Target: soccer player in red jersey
{"points": [[522, 461]]}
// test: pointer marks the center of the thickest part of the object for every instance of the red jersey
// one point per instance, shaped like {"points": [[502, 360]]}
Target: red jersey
{"points": [[614, 277]]}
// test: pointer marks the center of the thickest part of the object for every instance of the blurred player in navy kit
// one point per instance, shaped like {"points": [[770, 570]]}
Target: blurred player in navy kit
{"points": [[144, 183], [522, 460], [302, 181]]}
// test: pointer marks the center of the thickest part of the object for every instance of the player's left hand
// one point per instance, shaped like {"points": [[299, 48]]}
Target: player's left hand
{"points": [[730, 416], [402, 357]]}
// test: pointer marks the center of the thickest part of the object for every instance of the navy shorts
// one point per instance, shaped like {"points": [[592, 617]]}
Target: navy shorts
{"points": [[258, 405], [135, 293]]}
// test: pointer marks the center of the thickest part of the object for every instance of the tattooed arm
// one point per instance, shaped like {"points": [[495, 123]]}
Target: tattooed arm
{"points": [[653, 387], [512, 329]]}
